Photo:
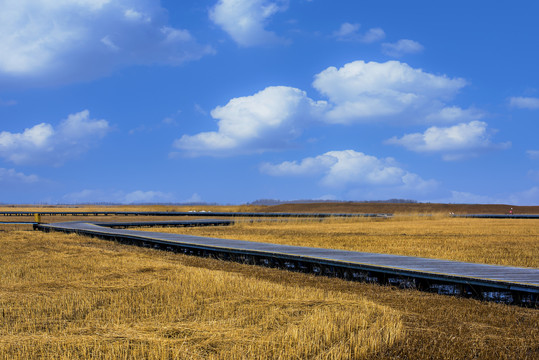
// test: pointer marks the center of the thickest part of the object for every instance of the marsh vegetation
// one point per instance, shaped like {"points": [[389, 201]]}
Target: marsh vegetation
{"points": [[68, 296]]}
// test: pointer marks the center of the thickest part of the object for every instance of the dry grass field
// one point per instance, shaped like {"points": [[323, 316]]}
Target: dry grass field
{"points": [[67, 296]]}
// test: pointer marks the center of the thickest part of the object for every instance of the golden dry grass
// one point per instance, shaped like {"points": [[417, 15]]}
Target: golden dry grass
{"points": [[511, 242], [67, 296], [432, 326]]}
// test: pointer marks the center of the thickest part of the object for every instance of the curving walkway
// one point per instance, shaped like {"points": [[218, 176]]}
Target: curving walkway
{"points": [[488, 282]]}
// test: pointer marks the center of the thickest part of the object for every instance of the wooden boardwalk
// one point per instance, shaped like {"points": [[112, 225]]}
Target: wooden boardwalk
{"points": [[509, 284]]}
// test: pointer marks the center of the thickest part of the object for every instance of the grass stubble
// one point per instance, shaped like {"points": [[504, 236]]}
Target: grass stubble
{"points": [[66, 296]]}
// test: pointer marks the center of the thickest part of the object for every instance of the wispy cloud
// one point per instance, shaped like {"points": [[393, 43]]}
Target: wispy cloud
{"points": [[534, 175], [453, 114], [524, 198], [533, 154], [195, 198], [524, 102], [13, 176], [402, 47], [7, 102], [351, 32], [117, 196]]}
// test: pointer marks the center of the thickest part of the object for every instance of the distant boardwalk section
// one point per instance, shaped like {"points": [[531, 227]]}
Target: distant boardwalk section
{"points": [[189, 213]]}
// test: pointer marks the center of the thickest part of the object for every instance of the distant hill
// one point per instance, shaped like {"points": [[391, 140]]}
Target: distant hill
{"points": [[398, 208], [272, 202]]}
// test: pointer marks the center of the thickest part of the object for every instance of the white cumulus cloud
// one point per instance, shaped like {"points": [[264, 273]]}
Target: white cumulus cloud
{"points": [[524, 102], [358, 92], [454, 142], [60, 41], [246, 20], [45, 144], [352, 169], [361, 91], [402, 47], [267, 120]]}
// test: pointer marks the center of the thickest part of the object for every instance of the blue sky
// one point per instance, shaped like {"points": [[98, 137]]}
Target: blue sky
{"points": [[230, 101]]}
